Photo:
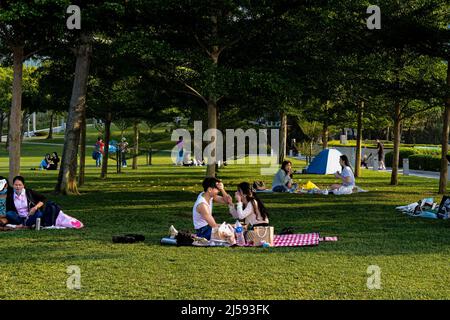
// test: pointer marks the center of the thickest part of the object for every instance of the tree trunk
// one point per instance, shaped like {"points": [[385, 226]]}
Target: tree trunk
{"points": [[136, 144], [15, 119], [107, 139], [283, 137], [388, 135], [8, 117], [82, 150], [325, 133], [212, 124], [396, 151], [2, 119], [445, 132], [359, 140], [24, 126], [67, 183], [50, 129]]}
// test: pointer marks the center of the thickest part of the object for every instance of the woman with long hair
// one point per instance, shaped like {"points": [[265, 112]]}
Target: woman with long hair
{"points": [[282, 181], [346, 175], [249, 207], [54, 160]]}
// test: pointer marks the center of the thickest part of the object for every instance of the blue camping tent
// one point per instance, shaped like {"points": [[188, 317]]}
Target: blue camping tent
{"points": [[326, 162]]}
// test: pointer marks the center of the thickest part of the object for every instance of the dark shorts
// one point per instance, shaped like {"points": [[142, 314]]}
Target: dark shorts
{"points": [[204, 232]]}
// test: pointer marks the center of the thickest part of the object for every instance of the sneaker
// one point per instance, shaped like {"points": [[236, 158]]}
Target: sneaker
{"points": [[173, 232]]}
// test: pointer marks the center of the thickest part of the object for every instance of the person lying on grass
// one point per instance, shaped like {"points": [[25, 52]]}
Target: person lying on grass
{"points": [[22, 205], [202, 210], [347, 177], [249, 207]]}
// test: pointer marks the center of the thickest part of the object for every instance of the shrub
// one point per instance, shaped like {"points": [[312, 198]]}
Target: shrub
{"points": [[425, 162], [404, 153]]}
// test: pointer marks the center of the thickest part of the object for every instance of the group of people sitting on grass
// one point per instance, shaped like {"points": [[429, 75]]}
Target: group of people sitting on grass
{"points": [[19, 205], [283, 180], [50, 162], [248, 206]]}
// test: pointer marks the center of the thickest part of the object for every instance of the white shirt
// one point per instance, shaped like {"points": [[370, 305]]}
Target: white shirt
{"points": [[21, 203], [347, 172], [249, 213], [199, 221]]}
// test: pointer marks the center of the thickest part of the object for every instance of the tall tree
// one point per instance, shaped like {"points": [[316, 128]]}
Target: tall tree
{"points": [[26, 28], [83, 40], [203, 47]]}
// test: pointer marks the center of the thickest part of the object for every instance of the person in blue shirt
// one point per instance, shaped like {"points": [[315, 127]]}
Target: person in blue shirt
{"points": [[282, 181]]}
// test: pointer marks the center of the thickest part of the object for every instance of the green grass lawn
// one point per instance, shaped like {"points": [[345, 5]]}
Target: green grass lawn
{"points": [[413, 254]]}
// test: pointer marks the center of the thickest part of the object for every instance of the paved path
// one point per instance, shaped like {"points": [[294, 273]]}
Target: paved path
{"points": [[419, 173]]}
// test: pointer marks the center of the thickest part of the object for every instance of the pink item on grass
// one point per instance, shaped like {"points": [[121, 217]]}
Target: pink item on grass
{"points": [[296, 240], [67, 221]]}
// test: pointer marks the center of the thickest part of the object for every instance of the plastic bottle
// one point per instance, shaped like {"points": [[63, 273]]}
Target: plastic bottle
{"points": [[240, 241]]}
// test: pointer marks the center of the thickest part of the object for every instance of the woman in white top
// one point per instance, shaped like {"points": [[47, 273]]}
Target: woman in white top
{"points": [[249, 207], [347, 177], [202, 210]]}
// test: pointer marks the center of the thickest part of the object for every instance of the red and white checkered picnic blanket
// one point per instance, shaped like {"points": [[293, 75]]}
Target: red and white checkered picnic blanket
{"points": [[296, 240]]}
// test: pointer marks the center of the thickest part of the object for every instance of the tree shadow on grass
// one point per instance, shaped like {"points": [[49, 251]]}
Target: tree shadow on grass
{"points": [[369, 227]]}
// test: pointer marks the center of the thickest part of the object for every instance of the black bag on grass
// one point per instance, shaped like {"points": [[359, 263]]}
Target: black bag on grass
{"points": [[50, 214], [184, 238]]}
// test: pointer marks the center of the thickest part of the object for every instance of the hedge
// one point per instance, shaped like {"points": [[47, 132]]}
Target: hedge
{"points": [[425, 162], [404, 153], [407, 152]]}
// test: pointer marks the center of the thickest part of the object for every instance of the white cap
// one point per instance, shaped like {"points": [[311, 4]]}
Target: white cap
{"points": [[3, 183]]}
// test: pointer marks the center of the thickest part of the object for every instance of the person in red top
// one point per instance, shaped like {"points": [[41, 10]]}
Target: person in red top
{"points": [[99, 149]]}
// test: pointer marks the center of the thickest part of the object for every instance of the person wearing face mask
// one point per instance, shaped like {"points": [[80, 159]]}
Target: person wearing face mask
{"points": [[23, 206], [249, 207], [202, 210]]}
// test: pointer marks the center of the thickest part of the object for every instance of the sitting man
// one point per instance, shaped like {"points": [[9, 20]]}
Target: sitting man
{"points": [[202, 210]]}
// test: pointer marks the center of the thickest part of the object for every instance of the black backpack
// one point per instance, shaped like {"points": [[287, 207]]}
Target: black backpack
{"points": [[50, 214]]}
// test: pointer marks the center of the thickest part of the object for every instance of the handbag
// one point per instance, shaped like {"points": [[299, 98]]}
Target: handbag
{"points": [[259, 185], [260, 235], [224, 233]]}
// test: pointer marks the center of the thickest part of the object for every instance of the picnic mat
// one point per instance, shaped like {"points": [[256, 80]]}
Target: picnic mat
{"points": [[300, 240], [296, 240]]}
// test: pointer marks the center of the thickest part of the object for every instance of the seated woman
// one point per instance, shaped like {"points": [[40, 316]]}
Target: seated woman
{"points": [[249, 207], [45, 163], [347, 177], [22, 205], [54, 160], [202, 210], [282, 182]]}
